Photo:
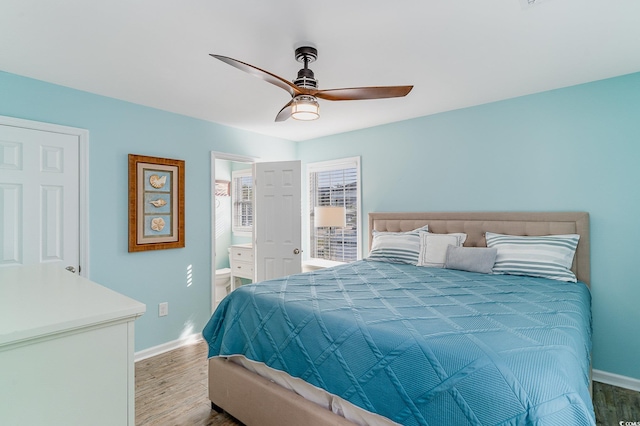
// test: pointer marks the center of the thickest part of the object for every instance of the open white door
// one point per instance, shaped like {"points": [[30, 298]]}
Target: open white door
{"points": [[39, 196], [277, 219]]}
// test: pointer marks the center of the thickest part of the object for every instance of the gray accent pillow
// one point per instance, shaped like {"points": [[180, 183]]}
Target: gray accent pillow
{"points": [[472, 259]]}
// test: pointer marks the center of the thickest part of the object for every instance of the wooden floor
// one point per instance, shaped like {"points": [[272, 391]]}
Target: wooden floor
{"points": [[171, 389]]}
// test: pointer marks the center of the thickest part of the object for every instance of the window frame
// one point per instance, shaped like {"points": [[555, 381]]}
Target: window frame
{"points": [[332, 165], [240, 230]]}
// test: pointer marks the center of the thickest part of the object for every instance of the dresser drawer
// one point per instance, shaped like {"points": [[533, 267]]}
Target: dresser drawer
{"points": [[241, 254], [243, 270], [241, 261]]}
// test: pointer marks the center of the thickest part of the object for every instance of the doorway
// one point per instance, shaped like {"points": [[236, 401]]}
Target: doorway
{"points": [[273, 237], [223, 168]]}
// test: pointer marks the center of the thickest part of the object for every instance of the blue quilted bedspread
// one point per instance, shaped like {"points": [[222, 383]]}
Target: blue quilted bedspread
{"points": [[422, 346]]}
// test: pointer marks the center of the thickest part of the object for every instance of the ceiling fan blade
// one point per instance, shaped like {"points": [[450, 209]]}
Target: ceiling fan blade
{"points": [[260, 73], [285, 112], [358, 93]]}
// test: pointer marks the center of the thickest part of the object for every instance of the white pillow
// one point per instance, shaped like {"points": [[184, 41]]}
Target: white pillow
{"points": [[433, 247]]}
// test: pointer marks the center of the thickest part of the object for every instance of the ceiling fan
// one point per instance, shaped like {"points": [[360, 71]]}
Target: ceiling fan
{"points": [[304, 89]]}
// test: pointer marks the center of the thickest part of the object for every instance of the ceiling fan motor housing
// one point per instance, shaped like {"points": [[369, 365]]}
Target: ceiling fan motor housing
{"points": [[306, 78]]}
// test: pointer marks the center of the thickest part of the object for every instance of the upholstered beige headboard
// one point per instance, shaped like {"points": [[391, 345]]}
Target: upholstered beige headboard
{"points": [[475, 224]]}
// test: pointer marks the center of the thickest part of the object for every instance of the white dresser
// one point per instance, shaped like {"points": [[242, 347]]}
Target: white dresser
{"points": [[66, 349], [242, 263]]}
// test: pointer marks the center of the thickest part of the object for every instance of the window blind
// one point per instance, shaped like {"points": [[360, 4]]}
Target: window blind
{"points": [[335, 184], [242, 194]]}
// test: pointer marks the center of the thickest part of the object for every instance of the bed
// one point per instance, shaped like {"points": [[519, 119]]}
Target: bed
{"points": [[404, 344]]}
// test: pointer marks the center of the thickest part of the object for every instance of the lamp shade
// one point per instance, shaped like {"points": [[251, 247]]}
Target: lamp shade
{"points": [[329, 216], [305, 108]]}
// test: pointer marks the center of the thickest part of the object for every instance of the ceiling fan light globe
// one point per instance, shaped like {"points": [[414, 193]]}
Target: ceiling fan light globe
{"points": [[305, 115], [305, 108]]}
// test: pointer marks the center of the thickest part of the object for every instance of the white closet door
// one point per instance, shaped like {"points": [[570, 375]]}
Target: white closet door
{"points": [[39, 197], [277, 219]]}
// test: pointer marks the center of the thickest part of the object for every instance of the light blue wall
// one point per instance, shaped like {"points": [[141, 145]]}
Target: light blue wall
{"points": [[119, 128], [574, 149], [570, 149]]}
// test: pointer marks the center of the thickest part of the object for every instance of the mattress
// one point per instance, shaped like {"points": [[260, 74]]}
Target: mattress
{"points": [[421, 345]]}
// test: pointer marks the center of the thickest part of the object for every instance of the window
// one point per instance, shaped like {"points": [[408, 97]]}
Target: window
{"points": [[242, 201], [335, 183]]}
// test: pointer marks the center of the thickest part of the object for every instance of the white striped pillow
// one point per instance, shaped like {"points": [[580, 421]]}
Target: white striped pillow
{"points": [[396, 247], [548, 256]]}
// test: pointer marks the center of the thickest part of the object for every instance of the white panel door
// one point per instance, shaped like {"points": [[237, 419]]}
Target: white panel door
{"points": [[39, 197], [277, 219]]}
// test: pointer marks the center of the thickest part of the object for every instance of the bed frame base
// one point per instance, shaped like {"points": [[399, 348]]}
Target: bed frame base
{"points": [[254, 400]]}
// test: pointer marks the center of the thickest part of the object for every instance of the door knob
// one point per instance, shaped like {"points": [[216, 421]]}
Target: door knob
{"points": [[296, 251], [71, 269]]}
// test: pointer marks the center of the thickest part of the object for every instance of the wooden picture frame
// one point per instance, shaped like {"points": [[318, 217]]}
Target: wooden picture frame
{"points": [[156, 203]]}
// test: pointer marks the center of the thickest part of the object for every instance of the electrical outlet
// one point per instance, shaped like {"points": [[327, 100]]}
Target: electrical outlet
{"points": [[163, 309]]}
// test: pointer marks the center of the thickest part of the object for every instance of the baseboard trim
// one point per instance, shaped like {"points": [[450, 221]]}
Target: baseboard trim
{"points": [[616, 380], [166, 347]]}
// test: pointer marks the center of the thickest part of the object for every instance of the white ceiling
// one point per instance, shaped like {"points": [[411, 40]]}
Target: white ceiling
{"points": [[457, 53]]}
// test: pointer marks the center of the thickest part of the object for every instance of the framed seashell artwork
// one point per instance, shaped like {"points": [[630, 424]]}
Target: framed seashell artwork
{"points": [[156, 203]]}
